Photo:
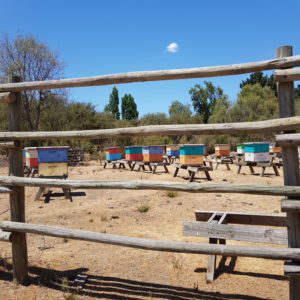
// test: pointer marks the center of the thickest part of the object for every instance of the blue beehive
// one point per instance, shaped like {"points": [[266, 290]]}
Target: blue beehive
{"points": [[134, 150], [152, 150], [52, 154], [256, 147], [191, 149]]}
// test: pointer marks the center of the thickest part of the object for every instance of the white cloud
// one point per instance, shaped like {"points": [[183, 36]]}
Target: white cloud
{"points": [[173, 47]]}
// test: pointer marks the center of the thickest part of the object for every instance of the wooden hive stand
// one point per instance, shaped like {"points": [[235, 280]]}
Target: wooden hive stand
{"points": [[192, 170], [221, 226]]}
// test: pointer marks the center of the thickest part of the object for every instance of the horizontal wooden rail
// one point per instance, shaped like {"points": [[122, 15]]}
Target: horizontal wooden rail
{"points": [[7, 145], [5, 190], [253, 234], [153, 185], [5, 236], [289, 139], [275, 125], [142, 76], [287, 75], [155, 245], [7, 97]]}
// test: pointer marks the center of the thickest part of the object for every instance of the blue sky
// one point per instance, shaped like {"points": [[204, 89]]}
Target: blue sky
{"points": [[105, 37]]}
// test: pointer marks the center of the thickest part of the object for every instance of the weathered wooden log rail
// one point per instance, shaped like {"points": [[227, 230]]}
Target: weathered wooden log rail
{"points": [[10, 94], [154, 185], [155, 245], [235, 69], [269, 126]]}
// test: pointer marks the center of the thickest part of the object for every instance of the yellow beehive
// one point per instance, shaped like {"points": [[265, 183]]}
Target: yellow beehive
{"points": [[53, 169]]}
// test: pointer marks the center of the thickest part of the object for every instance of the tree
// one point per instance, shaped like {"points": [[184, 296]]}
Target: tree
{"points": [[220, 112], [255, 103], [113, 105], [129, 108], [205, 98], [263, 80], [32, 60]]}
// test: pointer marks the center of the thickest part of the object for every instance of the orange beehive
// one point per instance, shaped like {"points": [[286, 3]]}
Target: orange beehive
{"points": [[222, 150], [191, 159], [152, 157]]}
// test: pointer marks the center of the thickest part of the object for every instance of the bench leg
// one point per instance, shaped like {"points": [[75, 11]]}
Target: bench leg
{"points": [[104, 166], [176, 172], [166, 169], [153, 169], [207, 175], [192, 176], [239, 169], [67, 193], [39, 193], [276, 171], [251, 169], [263, 169], [217, 166], [211, 264], [227, 166]]}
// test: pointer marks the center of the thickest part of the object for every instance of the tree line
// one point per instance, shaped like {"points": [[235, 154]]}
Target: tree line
{"points": [[53, 110]]}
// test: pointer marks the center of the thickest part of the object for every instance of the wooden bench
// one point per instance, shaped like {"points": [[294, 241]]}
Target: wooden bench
{"points": [[221, 226], [151, 165], [192, 170], [46, 190], [250, 164], [218, 161], [169, 159], [117, 164]]}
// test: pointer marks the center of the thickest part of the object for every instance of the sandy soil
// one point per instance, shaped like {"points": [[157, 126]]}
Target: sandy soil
{"points": [[123, 273]]}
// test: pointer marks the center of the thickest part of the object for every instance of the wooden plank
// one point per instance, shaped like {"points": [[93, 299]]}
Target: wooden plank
{"points": [[154, 245], [154, 75], [5, 236], [287, 75], [17, 197], [288, 139], [291, 268], [153, 185], [5, 190], [245, 218], [7, 145], [235, 232], [290, 205], [269, 126], [8, 97], [290, 160]]}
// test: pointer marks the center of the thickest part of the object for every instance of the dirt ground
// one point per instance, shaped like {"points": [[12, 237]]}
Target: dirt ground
{"points": [[116, 272]]}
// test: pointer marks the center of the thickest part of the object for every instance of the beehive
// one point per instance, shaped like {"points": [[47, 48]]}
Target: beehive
{"points": [[257, 152], [191, 154], [274, 149], [113, 153], [53, 161], [31, 157], [222, 149], [172, 150], [24, 157], [134, 153], [240, 149], [152, 153]]}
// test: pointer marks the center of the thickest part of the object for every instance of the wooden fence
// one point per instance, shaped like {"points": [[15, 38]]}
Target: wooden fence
{"points": [[14, 231]]}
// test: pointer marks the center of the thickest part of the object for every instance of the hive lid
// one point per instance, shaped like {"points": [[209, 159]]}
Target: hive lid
{"points": [[190, 145], [256, 143]]}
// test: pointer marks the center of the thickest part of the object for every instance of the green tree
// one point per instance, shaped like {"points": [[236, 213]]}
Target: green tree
{"points": [[220, 112], [32, 60], [113, 104], [255, 103], [154, 119], [129, 108], [263, 80], [205, 98]]}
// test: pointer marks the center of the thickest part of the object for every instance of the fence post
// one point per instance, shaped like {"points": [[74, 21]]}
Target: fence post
{"points": [[290, 162], [17, 197]]}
